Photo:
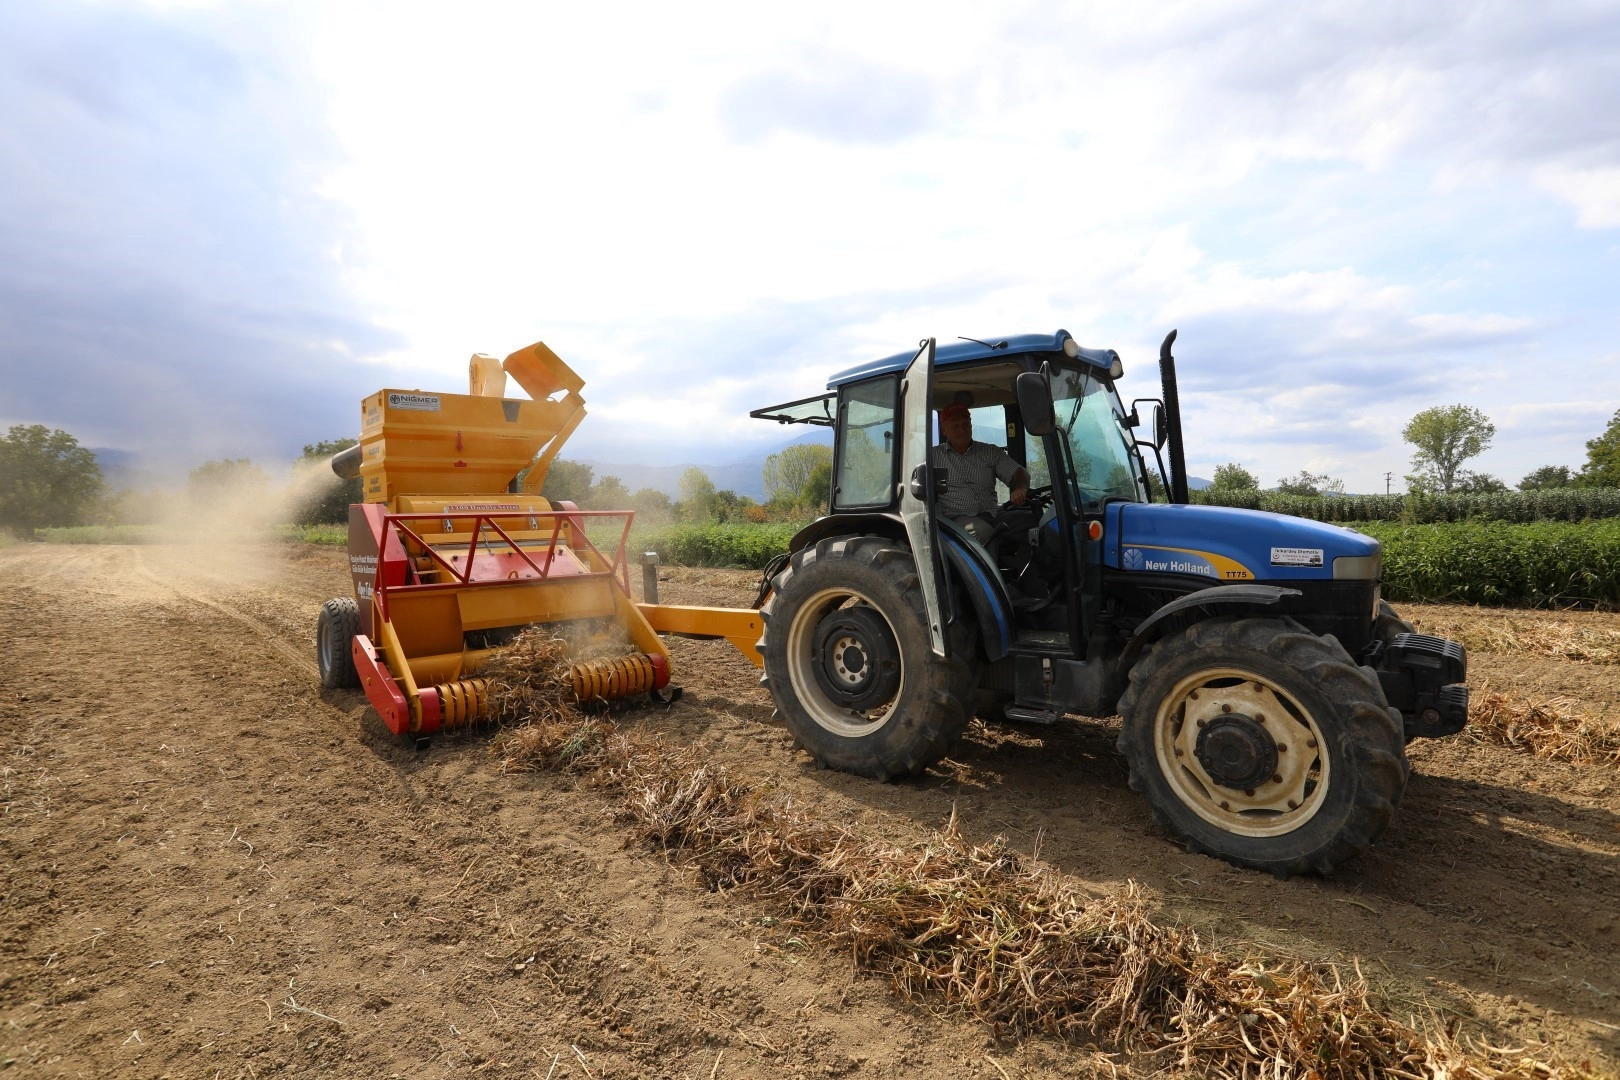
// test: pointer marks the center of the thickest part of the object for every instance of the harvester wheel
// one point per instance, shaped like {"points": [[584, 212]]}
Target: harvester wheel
{"points": [[1263, 744], [334, 642], [849, 663]]}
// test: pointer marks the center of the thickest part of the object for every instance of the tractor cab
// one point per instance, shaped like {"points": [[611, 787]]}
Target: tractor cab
{"points": [[1025, 562]]}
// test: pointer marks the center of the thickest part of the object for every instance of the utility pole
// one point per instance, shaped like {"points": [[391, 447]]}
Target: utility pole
{"points": [[1386, 482]]}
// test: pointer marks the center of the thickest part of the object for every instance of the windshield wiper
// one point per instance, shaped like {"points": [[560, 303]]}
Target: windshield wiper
{"points": [[1079, 399]]}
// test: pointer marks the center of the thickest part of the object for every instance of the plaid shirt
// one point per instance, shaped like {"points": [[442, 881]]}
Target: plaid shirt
{"points": [[971, 488]]}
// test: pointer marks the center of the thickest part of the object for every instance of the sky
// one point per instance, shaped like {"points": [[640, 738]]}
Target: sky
{"points": [[223, 224]]}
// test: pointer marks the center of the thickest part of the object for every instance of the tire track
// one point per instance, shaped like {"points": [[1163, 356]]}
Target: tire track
{"points": [[299, 658]]}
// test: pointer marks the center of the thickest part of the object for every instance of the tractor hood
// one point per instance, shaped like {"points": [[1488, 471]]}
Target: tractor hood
{"points": [[1227, 544]]}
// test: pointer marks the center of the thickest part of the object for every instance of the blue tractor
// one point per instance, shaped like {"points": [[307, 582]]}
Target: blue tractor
{"points": [[1267, 692]]}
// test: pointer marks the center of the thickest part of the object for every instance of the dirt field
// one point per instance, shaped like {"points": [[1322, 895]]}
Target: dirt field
{"points": [[213, 868]]}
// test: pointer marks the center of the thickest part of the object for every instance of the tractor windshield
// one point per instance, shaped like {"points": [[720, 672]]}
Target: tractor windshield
{"points": [[1090, 420]]}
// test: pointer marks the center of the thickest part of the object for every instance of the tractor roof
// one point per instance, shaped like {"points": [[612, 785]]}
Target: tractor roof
{"points": [[964, 352]]}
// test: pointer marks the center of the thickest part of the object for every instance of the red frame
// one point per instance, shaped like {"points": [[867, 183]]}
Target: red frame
{"points": [[619, 565], [381, 689]]}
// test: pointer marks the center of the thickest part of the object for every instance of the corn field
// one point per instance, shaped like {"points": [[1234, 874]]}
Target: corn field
{"points": [[1543, 564], [1558, 504]]}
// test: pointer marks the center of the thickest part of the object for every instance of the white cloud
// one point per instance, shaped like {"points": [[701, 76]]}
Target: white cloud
{"points": [[1349, 210], [1595, 193]]}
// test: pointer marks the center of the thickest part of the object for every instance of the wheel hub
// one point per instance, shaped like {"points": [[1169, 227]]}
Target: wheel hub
{"points": [[1236, 751], [857, 661]]}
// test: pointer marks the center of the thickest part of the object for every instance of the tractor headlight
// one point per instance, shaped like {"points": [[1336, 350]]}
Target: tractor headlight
{"points": [[1071, 348]]}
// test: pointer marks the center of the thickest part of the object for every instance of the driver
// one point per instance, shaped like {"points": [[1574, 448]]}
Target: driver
{"points": [[973, 469]]}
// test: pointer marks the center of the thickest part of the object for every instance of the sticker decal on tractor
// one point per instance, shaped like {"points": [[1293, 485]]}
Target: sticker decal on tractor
{"points": [[420, 402], [1292, 556], [1184, 561]]}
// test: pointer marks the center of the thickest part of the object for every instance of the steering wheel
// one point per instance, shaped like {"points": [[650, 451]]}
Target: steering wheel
{"points": [[1036, 499]]}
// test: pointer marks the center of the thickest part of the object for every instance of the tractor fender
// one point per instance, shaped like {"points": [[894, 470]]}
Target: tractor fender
{"points": [[888, 526], [1219, 596], [975, 573]]}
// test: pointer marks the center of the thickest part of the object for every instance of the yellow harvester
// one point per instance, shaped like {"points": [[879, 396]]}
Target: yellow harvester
{"points": [[454, 551]]}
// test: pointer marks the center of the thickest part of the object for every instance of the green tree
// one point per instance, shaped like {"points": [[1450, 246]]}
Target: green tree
{"points": [[730, 506], [226, 476], [1309, 483], [1476, 483], [697, 495], [1602, 467], [568, 481], [327, 496], [788, 473], [818, 489], [609, 493], [1445, 437], [1548, 476], [1232, 477], [650, 502], [46, 479]]}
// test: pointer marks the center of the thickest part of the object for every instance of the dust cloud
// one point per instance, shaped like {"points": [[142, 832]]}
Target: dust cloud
{"points": [[240, 505]]}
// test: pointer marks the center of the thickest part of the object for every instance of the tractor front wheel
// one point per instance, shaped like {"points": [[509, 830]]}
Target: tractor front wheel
{"points": [[849, 663], [334, 643], [1263, 744]]}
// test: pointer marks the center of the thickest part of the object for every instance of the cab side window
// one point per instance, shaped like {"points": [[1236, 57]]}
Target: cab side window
{"points": [[865, 446]]}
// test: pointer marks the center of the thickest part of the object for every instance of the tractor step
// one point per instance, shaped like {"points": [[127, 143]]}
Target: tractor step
{"points": [[1033, 716]]}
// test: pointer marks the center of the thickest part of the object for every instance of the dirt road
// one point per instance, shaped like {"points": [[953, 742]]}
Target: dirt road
{"points": [[212, 868]]}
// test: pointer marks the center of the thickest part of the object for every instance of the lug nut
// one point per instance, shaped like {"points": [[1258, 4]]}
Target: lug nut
{"points": [[1226, 806], [1311, 743], [1249, 791], [1292, 805], [1276, 778], [1282, 748], [1225, 707]]}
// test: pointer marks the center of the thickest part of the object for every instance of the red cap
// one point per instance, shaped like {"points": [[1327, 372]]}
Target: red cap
{"points": [[953, 410]]}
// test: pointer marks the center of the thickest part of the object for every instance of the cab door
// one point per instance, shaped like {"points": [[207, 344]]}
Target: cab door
{"points": [[917, 489]]}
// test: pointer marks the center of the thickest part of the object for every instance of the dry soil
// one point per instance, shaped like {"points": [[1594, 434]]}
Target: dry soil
{"points": [[214, 868]]}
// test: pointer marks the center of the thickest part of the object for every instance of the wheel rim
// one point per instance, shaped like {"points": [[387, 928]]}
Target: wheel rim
{"points": [[1220, 730], [811, 668], [327, 649]]}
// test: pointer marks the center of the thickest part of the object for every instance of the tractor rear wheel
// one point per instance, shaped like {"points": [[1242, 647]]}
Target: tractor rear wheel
{"points": [[1263, 744], [334, 643], [849, 663]]}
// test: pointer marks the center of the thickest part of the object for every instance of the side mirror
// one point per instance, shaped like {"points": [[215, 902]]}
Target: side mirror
{"points": [[916, 484], [1034, 395], [1160, 432]]}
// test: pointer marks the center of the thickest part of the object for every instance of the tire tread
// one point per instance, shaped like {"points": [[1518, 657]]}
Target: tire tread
{"points": [[1371, 732]]}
